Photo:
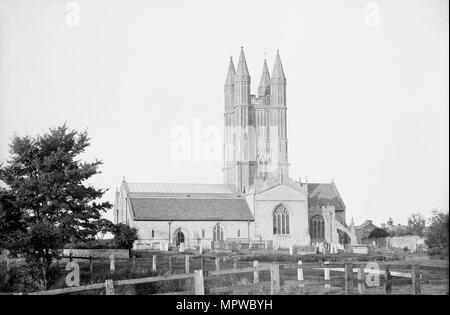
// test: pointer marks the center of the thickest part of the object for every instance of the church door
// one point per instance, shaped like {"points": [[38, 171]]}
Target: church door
{"points": [[179, 238]]}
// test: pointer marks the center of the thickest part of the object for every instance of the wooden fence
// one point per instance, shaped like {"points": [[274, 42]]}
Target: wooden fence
{"points": [[271, 276]]}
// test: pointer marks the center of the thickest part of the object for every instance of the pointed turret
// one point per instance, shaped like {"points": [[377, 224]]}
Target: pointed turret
{"points": [[278, 83], [242, 69], [231, 75], [242, 82], [229, 86], [264, 83], [278, 72]]}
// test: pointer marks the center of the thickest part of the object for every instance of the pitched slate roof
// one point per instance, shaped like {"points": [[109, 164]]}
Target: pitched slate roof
{"points": [[190, 209], [323, 194]]}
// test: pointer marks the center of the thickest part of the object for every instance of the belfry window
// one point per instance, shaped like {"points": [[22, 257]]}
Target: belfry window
{"points": [[281, 220], [317, 227]]}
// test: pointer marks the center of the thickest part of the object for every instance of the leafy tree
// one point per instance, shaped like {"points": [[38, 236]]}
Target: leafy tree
{"points": [[46, 203], [416, 224], [124, 236], [378, 233], [436, 237]]}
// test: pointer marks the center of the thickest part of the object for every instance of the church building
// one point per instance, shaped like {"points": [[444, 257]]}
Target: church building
{"points": [[257, 202]]}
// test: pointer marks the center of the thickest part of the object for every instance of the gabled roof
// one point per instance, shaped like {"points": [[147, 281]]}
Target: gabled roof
{"points": [[367, 223], [190, 209], [324, 194], [186, 202]]}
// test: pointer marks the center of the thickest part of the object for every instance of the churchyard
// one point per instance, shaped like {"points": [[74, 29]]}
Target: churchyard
{"points": [[156, 272]]}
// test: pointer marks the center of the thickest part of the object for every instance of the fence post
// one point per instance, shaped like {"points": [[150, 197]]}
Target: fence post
{"points": [[154, 263], [109, 287], [217, 264], [91, 264], [300, 273], [8, 268], [186, 264], [255, 272], [170, 264], [361, 285], [199, 285], [348, 279], [202, 262], [112, 264], [415, 279], [387, 280], [274, 279], [133, 266], [326, 275]]}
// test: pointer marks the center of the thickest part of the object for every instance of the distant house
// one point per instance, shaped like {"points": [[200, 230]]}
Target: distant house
{"points": [[363, 231]]}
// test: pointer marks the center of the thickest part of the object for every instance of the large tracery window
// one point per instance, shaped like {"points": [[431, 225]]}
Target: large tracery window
{"points": [[317, 227], [217, 233], [281, 220]]}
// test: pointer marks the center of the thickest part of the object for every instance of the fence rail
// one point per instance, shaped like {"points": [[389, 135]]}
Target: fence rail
{"points": [[213, 267]]}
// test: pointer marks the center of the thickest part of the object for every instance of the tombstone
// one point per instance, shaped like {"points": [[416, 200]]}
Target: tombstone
{"points": [[321, 248], [200, 249], [291, 250], [181, 248]]}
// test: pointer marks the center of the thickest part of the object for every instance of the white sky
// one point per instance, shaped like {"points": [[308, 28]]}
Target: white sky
{"points": [[367, 105]]}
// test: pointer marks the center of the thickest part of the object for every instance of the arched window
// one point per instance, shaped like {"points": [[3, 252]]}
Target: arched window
{"points": [[217, 233], [317, 227], [281, 220]]}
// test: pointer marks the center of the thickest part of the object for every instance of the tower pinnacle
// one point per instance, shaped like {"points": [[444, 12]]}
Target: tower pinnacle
{"points": [[264, 83], [242, 73], [231, 73], [278, 72]]}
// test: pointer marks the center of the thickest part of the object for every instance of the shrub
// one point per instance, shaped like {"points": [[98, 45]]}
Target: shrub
{"points": [[436, 237], [378, 233], [124, 236]]}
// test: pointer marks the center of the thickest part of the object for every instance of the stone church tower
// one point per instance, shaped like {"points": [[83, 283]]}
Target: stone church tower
{"points": [[255, 141]]}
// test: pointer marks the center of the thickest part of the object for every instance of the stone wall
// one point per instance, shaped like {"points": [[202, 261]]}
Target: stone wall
{"points": [[412, 242], [97, 253], [160, 232], [263, 207]]}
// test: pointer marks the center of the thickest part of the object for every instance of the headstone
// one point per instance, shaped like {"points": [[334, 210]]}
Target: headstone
{"points": [[256, 272], [181, 248]]}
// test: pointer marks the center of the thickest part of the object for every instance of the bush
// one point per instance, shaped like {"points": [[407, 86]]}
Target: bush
{"points": [[436, 237], [378, 233], [124, 236]]}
